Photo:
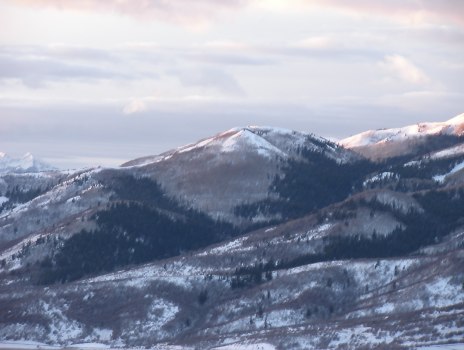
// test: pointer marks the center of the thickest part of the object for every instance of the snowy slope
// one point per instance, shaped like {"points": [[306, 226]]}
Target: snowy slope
{"points": [[394, 303], [454, 126], [386, 143]]}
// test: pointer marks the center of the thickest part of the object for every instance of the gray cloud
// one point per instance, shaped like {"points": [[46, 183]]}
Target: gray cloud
{"points": [[80, 53], [35, 64], [332, 53], [208, 64], [228, 58], [441, 35], [265, 55], [209, 78], [36, 72]]}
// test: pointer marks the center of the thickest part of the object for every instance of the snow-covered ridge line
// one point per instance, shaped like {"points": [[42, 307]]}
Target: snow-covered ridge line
{"points": [[267, 142], [454, 126]]}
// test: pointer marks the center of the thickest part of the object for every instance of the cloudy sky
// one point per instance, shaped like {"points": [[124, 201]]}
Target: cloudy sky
{"points": [[86, 82]]}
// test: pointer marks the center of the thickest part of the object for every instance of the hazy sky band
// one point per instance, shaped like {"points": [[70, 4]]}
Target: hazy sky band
{"points": [[105, 81]]}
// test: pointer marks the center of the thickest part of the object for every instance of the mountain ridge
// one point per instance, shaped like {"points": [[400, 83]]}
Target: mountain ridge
{"points": [[283, 142], [232, 167], [253, 237], [454, 126], [385, 143]]}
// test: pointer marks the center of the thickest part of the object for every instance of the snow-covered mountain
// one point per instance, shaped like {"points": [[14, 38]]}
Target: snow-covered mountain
{"points": [[234, 167], [267, 142], [213, 176], [255, 238], [385, 143], [24, 164]]}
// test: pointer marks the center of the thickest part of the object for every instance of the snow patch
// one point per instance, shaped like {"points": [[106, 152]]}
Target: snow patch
{"points": [[387, 175], [444, 293], [73, 199], [161, 312], [244, 346], [319, 231], [61, 328], [385, 308], [224, 248], [441, 178], [23, 344], [178, 274], [448, 152], [103, 334], [398, 201], [459, 346], [89, 346]]}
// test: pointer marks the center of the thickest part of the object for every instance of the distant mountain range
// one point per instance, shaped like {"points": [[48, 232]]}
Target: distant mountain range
{"points": [[26, 163], [255, 238]]}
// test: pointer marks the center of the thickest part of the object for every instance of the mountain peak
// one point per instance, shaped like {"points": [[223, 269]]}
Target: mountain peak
{"points": [[235, 139], [264, 141], [25, 163]]}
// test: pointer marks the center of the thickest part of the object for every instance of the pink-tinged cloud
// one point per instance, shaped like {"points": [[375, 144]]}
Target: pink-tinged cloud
{"points": [[187, 12], [404, 69], [200, 12], [410, 10]]}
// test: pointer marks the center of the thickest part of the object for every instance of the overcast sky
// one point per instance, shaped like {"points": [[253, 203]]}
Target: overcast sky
{"points": [[87, 82]]}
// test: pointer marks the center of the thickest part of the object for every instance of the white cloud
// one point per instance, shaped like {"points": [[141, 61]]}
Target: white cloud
{"points": [[135, 106], [316, 42], [404, 69]]}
